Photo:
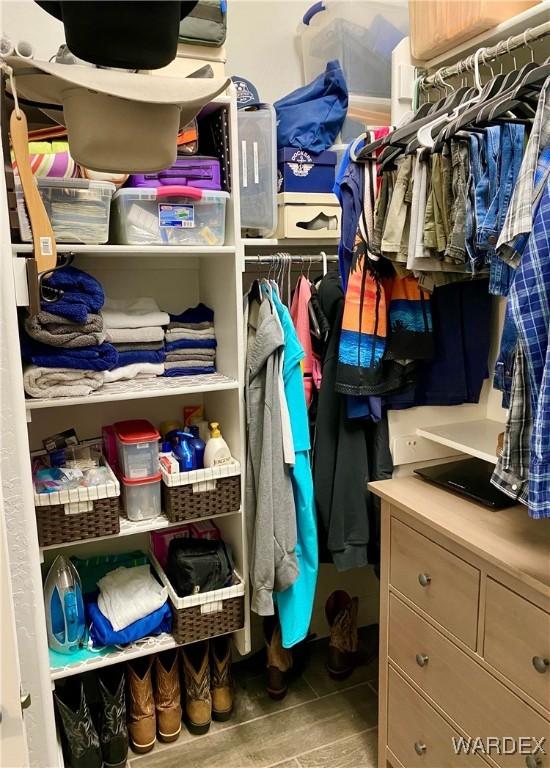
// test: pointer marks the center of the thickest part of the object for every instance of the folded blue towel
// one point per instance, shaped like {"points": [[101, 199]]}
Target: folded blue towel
{"points": [[141, 356], [83, 294], [199, 314], [190, 371], [102, 632], [99, 358], [191, 344]]}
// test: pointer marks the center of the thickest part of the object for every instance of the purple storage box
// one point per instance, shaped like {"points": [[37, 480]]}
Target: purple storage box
{"points": [[194, 171], [303, 171]]}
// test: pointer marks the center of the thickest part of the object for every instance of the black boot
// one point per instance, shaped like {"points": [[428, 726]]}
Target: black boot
{"points": [[114, 732], [80, 739]]}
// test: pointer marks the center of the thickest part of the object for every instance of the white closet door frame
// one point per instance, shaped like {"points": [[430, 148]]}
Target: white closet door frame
{"points": [[20, 521]]}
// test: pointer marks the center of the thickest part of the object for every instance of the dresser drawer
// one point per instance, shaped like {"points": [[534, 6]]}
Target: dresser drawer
{"points": [[417, 734], [517, 641], [474, 699], [440, 583]]}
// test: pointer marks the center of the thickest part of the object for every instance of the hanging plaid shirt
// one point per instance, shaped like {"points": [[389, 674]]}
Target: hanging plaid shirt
{"points": [[510, 475], [519, 217], [530, 303]]}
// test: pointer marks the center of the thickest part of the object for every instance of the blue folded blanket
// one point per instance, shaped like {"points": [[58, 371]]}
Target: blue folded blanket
{"points": [[191, 344], [102, 632], [99, 358], [141, 356], [190, 371], [82, 294], [199, 314]]}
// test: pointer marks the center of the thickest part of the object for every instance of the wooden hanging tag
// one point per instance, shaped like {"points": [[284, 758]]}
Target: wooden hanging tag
{"points": [[45, 250]]}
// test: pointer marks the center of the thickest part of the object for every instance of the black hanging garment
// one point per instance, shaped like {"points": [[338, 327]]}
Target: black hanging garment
{"points": [[348, 454]]}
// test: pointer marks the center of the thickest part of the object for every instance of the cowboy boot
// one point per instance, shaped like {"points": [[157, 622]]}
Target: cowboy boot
{"points": [[341, 613], [81, 742], [198, 701], [221, 684], [279, 660], [114, 732], [167, 696], [142, 724]]}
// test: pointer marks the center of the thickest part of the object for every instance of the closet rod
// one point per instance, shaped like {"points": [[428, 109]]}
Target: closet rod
{"points": [[501, 48], [297, 258]]}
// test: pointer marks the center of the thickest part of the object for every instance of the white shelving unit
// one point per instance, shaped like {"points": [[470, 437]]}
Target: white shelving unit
{"points": [[177, 278], [476, 438]]}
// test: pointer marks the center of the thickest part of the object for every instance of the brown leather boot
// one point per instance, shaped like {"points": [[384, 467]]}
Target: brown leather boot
{"points": [[198, 701], [221, 683], [279, 660], [167, 695], [142, 725], [341, 613]]}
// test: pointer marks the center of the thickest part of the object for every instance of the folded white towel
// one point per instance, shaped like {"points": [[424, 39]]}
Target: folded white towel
{"points": [[60, 382], [129, 594], [134, 371], [135, 335], [133, 313]]}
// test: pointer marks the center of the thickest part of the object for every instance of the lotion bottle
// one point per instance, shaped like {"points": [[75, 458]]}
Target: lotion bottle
{"points": [[217, 452]]}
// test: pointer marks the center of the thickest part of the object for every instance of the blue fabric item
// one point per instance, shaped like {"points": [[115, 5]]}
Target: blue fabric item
{"points": [[102, 357], [530, 302], [348, 188], [199, 314], [504, 365], [511, 156], [191, 344], [83, 294], [190, 371], [141, 356], [487, 190], [364, 407], [102, 632], [461, 315], [311, 117], [475, 256], [295, 604]]}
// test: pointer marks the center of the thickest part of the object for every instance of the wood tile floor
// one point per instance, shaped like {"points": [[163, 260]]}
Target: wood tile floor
{"points": [[320, 724]]}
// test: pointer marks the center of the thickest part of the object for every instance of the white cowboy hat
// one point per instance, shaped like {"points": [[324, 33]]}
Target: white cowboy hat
{"points": [[116, 121]]}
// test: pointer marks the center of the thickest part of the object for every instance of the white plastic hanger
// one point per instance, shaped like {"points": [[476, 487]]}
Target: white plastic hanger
{"points": [[424, 134]]}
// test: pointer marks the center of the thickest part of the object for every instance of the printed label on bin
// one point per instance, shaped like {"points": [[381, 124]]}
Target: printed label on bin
{"points": [[176, 216]]}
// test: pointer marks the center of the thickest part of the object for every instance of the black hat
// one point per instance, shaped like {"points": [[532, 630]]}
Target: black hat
{"points": [[122, 33]]}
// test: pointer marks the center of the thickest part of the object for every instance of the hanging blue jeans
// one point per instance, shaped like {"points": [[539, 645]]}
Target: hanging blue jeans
{"points": [[511, 155], [487, 190], [505, 361], [474, 255]]}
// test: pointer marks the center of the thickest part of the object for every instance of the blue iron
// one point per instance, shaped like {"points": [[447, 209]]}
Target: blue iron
{"points": [[65, 621]]}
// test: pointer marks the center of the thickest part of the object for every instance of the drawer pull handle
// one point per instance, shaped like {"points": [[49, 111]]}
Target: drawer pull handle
{"points": [[424, 579], [421, 659], [419, 748], [540, 664], [533, 762]]}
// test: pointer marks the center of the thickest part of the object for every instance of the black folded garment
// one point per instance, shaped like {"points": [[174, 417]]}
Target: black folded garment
{"points": [[198, 565]]}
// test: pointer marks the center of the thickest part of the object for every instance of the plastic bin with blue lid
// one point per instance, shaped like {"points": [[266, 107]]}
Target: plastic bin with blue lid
{"points": [[171, 215], [361, 35]]}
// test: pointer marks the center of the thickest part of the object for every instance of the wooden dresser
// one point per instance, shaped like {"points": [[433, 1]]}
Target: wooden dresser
{"points": [[464, 631]]}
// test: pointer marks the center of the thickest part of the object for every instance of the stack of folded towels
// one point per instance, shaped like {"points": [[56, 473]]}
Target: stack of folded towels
{"points": [[131, 604], [135, 328], [191, 343], [64, 344]]}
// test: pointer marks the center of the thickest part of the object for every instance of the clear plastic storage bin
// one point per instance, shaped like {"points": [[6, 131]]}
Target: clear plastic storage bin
{"points": [[138, 448], [77, 208], [171, 215], [258, 163], [361, 35], [141, 497]]}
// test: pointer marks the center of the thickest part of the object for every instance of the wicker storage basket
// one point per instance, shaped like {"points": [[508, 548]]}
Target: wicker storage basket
{"points": [[81, 513], [198, 617], [201, 492]]}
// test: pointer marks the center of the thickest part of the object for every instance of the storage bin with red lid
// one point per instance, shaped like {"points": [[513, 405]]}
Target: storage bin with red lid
{"points": [[141, 497], [138, 448]]}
